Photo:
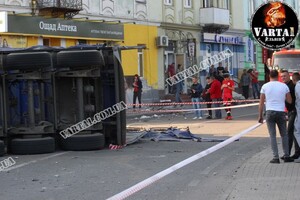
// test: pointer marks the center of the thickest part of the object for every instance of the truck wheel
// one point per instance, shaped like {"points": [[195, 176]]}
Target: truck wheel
{"points": [[26, 61], [2, 148], [32, 145], [80, 59], [86, 142]]}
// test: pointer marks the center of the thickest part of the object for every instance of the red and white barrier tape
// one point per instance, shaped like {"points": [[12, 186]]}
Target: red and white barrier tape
{"points": [[191, 103], [188, 110], [114, 147], [141, 185]]}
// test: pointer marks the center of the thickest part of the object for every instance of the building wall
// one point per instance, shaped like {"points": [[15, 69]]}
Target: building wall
{"points": [[141, 35], [238, 14]]}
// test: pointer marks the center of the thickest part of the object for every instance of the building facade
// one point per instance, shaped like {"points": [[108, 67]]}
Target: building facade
{"points": [[67, 23], [183, 32]]}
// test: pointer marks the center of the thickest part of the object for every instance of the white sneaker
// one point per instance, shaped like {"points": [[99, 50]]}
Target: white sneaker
{"points": [[297, 160], [195, 118], [200, 118]]}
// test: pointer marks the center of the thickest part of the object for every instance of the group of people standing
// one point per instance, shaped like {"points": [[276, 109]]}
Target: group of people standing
{"points": [[277, 97], [218, 89]]}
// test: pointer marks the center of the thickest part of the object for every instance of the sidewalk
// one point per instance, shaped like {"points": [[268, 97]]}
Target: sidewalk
{"points": [[257, 179]]}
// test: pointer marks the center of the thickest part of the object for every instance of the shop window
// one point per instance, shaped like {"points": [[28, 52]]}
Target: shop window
{"points": [[81, 42], [169, 2], [46, 42], [188, 3]]}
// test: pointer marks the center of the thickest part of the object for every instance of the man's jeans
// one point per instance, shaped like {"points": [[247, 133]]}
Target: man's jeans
{"points": [[273, 118], [255, 90], [290, 132], [197, 106], [218, 113], [297, 128]]}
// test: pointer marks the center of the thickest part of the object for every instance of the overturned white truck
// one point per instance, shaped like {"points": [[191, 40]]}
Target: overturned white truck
{"points": [[46, 91]]}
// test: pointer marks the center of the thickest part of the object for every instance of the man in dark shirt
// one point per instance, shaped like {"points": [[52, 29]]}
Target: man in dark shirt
{"points": [[291, 114], [206, 97]]}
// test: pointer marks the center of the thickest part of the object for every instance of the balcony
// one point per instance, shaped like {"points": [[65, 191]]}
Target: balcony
{"points": [[215, 20], [56, 8]]}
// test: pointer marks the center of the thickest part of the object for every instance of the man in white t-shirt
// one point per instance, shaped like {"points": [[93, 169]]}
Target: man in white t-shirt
{"points": [[296, 80], [275, 93]]}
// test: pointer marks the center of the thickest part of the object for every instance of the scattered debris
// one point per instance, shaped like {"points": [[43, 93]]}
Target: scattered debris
{"points": [[237, 96], [165, 134], [145, 117], [43, 189]]}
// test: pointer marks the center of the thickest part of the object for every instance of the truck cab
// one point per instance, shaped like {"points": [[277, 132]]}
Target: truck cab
{"points": [[288, 59]]}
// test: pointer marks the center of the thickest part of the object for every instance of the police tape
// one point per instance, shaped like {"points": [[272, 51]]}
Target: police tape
{"points": [[190, 110], [191, 103], [143, 184]]}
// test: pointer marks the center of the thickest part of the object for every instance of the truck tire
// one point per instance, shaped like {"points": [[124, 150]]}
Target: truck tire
{"points": [[27, 61], [32, 145], [2, 148], [80, 59], [86, 142]]}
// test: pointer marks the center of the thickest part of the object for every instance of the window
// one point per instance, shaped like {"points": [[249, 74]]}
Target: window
{"points": [[81, 42], [169, 2], [140, 61], [188, 3], [46, 42]]}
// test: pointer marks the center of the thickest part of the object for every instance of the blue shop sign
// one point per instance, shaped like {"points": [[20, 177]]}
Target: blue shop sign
{"points": [[228, 39], [225, 39]]}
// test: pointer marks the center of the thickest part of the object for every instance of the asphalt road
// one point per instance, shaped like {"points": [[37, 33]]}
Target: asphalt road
{"points": [[102, 174]]}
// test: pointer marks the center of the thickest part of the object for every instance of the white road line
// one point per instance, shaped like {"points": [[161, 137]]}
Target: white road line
{"points": [[235, 117], [141, 185], [34, 161]]}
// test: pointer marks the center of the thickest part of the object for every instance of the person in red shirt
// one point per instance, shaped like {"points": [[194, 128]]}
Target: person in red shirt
{"points": [[137, 90], [171, 72], [227, 87], [254, 80], [215, 95]]}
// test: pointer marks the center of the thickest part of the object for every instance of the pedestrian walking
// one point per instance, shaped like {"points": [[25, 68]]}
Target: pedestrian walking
{"points": [[245, 82], [206, 97], [216, 96], [178, 87], [285, 77], [296, 80], [196, 90], [227, 87], [137, 90], [254, 83], [275, 93]]}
